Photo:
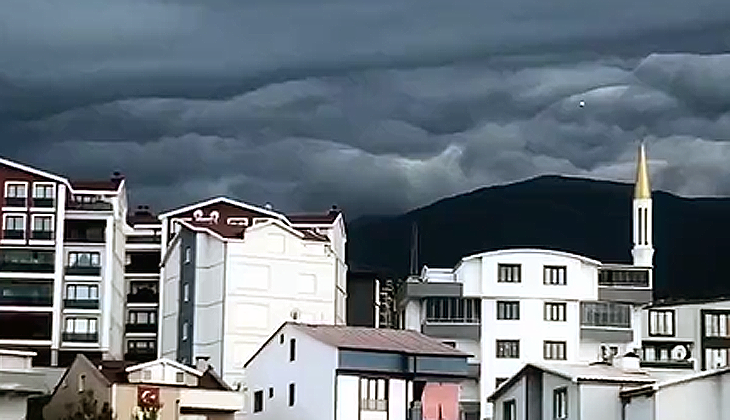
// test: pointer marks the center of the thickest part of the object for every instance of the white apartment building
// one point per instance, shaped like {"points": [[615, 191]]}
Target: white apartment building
{"points": [[514, 306], [232, 273], [687, 335], [61, 265]]}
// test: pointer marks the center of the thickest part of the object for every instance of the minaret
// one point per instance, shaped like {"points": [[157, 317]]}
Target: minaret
{"points": [[643, 251]]}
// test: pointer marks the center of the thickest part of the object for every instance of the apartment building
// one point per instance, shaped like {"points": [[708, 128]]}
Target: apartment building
{"points": [[61, 265], [514, 306], [142, 282], [687, 335], [233, 272]]}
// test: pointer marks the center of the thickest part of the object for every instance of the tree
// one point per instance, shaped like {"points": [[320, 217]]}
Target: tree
{"points": [[87, 408]]}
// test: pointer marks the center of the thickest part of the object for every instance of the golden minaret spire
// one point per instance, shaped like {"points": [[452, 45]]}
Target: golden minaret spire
{"points": [[642, 188]]}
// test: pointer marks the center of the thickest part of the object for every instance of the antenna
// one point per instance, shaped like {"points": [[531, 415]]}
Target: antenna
{"points": [[414, 249]]}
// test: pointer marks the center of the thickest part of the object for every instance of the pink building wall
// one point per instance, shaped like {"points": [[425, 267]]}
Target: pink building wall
{"points": [[440, 399]]}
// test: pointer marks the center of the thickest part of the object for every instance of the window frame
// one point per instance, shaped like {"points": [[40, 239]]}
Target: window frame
{"points": [[370, 389], [35, 217], [547, 278], [44, 185], [508, 307], [292, 350], [258, 401], [75, 295], [77, 254], [515, 276], [548, 311], [560, 403], [551, 347], [509, 409], [651, 318], [73, 321], [292, 394], [24, 224], [512, 344], [24, 184]]}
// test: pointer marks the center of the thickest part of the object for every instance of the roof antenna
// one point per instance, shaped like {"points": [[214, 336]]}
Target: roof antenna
{"points": [[414, 249]]}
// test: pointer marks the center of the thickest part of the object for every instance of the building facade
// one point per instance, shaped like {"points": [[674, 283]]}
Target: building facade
{"points": [[515, 306], [142, 283], [61, 265], [331, 372], [232, 273], [687, 335]]}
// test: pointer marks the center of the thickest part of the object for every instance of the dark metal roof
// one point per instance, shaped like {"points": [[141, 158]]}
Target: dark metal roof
{"points": [[94, 185], [378, 339]]}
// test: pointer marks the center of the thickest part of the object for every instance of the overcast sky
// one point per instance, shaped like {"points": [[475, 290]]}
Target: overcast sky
{"points": [[376, 105]]}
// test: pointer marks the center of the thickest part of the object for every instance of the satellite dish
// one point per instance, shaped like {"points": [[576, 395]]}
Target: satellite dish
{"points": [[679, 352]]}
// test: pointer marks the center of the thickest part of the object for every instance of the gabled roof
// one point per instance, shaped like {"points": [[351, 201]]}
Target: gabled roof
{"points": [[578, 373], [88, 367], [34, 171], [165, 362], [227, 200], [384, 340], [651, 388], [551, 252]]}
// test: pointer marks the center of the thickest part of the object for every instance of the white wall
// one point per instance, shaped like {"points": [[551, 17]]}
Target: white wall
{"points": [[517, 392], [313, 372], [348, 401], [397, 399], [170, 295], [706, 399], [640, 408], [209, 299], [269, 275], [13, 406], [599, 401], [549, 384], [117, 284]]}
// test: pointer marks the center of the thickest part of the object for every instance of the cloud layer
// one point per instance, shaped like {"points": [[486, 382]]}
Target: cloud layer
{"points": [[378, 106]]}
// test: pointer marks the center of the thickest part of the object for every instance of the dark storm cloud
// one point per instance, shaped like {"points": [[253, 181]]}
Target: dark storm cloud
{"points": [[376, 105]]}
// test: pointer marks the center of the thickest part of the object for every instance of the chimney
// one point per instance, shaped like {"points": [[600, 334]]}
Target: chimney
{"points": [[117, 178], [631, 362], [268, 206], [201, 363], [334, 210]]}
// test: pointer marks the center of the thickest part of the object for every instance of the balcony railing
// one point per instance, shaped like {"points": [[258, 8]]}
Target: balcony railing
{"points": [[144, 239], [81, 337], [41, 234], [76, 270], [43, 202], [605, 314], [143, 296], [26, 267], [81, 303], [15, 201], [42, 299], [92, 206], [141, 328], [140, 355], [84, 237], [667, 364], [13, 234]]}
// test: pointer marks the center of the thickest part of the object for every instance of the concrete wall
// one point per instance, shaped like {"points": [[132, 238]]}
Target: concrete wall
{"points": [[348, 397], [516, 392], [209, 291], [549, 385], [707, 399], [312, 372], [639, 408], [170, 295], [599, 401]]}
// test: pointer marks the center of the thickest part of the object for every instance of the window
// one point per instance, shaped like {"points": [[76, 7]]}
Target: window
{"points": [[186, 292], [142, 317], [43, 190], [281, 338], [605, 314], [457, 310], [15, 194], [84, 259], [509, 273], [716, 358], [661, 322], [508, 349], [450, 343], [81, 325], [555, 311], [292, 395], [560, 403], [14, 226], [42, 227], [634, 278], [258, 401], [271, 392], [185, 331], [499, 381], [82, 291], [716, 324], [554, 350], [141, 346], [509, 410], [553, 274], [188, 255], [82, 383], [292, 349], [179, 377], [508, 310], [373, 394]]}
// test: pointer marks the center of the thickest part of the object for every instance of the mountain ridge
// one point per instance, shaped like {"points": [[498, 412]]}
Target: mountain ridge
{"points": [[583, 216]]}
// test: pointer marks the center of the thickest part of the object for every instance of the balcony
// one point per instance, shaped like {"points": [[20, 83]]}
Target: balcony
{"points": [[43, 202], [667, 364], [623, 278], [41, 234], [81, 337], [13, 234], [140, 355], [143, 296], [18, 265], [76, 270], [141, 328], [15, 201], [26, 293], [148, 239], [90, 206], [81, 303]]}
